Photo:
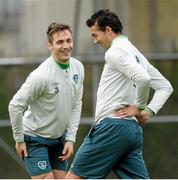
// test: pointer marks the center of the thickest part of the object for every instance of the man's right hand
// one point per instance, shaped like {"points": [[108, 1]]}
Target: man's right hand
{"points": [[21, 149]]}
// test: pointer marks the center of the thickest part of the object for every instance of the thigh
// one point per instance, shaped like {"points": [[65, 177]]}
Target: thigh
{"points": [[132, 164], [101, 150], [37, 161], [55, 151], [59, 174], [49, 175]]}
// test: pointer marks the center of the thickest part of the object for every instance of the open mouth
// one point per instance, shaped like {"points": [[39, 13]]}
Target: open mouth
{"points": [[66, 53]]}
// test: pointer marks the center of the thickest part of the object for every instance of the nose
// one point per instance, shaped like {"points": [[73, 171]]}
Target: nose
{"points": [[65, 45]]}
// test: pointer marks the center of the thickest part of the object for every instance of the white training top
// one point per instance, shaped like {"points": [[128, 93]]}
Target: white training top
{"points": [[126, 79], [49, 102]]}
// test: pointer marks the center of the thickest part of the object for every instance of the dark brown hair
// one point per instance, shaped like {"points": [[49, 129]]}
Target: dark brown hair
{"points": [[103, 18], [55, 27]]}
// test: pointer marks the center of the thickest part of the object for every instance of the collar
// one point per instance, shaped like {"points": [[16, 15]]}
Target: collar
{"points": [[119, 37], [63, 66]]}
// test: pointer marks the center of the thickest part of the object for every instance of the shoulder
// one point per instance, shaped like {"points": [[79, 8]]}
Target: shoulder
{"points": [[77, 66], [40, 73], [121, 48], [113, 53], [76, 62]]}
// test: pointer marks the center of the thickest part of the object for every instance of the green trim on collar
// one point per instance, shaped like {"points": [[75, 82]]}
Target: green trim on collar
{"points": [[63, 66]]}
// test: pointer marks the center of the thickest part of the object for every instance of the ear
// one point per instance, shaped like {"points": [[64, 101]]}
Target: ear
{"points": [[108, 30], [50, 46]]}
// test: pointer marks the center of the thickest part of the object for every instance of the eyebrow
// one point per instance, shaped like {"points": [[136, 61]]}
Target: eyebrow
{"points": [[61, 40]]}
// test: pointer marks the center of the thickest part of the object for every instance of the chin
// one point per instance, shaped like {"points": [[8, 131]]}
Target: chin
{"points": [[66, 59], [67, 56]]}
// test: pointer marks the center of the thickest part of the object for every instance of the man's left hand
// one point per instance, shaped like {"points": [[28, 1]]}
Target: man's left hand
{"points": [[67, 151], [143, 116]]}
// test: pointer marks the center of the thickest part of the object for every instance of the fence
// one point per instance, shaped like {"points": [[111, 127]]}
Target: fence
{"points": [[95, 63]]}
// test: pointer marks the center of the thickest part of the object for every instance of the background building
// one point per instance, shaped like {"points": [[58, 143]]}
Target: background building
{"points": [[150, 24]]}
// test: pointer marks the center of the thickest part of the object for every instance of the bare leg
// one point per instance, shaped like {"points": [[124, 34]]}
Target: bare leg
{"points": [[44, 176], [56, 174], [59, 174], [70, 175]]}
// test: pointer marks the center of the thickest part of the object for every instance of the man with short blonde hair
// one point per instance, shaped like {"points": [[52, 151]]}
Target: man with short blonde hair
{"points": [[46, 110]]}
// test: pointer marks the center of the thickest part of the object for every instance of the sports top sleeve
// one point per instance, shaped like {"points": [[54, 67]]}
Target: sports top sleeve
{"points": [[162, 88], [32, 88], [128, 66], [76, 110]]}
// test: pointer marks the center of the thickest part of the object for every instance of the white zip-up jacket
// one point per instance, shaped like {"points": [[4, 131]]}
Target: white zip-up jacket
{"points": [[126, 79], [49, 102]]}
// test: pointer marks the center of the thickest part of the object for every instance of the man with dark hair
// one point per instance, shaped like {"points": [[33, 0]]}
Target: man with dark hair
{"points": [[116, 141], [45, 112]]}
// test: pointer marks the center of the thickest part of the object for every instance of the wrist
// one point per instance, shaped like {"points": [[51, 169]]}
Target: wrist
{"points": [[20, 142], [140, 108], [69, 141], [150, 111]]}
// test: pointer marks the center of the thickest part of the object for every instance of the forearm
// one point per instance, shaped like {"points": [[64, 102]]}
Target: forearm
{"points": [[162, 88], [74, 123], [159, 98], [16, 116]]}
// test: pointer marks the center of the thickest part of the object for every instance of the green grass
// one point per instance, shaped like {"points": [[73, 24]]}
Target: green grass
{"points": [[160, 151]]}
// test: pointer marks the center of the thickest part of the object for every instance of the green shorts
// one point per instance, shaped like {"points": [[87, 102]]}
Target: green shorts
{"points": [[113, 144], [43, 155]]}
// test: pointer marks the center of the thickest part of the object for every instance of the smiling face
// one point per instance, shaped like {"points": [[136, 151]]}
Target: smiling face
{"points": [[61, 46], [100, 37]]}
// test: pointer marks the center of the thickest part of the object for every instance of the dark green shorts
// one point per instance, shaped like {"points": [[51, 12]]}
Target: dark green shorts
{"points": [[113, 144], [43, 155]]}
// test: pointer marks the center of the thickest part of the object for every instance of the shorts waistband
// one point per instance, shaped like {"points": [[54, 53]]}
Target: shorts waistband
{"points": [[116, 120]]}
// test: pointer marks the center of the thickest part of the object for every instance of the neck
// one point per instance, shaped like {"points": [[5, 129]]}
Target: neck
{"points": [[114, 35], [111, 37], [64, 61], [63, 65]]}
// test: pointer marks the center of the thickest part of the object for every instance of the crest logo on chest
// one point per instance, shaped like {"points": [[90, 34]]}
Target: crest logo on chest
{"points": [[75, 78]]}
